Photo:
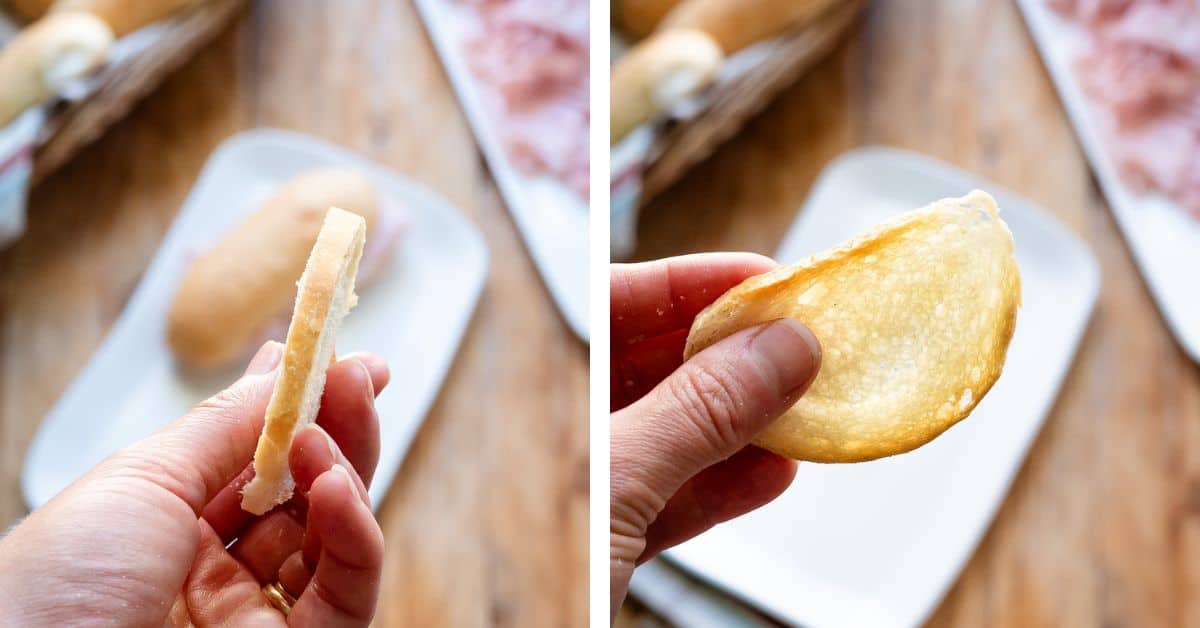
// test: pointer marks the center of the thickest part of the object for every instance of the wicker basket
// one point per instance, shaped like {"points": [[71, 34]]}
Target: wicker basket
{"points": [[686, 142], [119, 86]]}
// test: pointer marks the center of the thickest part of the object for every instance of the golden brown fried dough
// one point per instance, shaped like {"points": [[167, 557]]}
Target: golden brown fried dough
{"points": [[914, 318]]}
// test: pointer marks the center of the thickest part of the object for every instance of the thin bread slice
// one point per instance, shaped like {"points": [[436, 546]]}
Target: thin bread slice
{"points": [[325, 293], [914, 319]]}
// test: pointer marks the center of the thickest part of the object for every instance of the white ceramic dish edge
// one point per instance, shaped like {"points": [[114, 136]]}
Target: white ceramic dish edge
{"points": [[1163, 238], [734, 562], [552, 219], [42, 475]]}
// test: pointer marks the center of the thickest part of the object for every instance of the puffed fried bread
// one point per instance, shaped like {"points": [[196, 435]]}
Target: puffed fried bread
{"points": [[914, 318]]}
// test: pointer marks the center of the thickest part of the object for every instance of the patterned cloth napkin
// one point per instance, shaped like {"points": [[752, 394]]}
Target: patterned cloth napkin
{"points": [[21, 138], [633, 154]]}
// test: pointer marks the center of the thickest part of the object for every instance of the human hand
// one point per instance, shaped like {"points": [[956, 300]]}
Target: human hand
{"points": [[681, 459], [155, 534]]}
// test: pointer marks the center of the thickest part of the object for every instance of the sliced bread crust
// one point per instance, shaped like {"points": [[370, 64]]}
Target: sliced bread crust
{"points": [[325, 294]]}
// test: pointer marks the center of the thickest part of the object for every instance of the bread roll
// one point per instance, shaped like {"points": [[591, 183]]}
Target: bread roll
{"points": [[639, 18], [738, 24], [29, 10], [126, 16], [324, 295], [232, 293], [658, 74], [914, 319], [47, 56]]}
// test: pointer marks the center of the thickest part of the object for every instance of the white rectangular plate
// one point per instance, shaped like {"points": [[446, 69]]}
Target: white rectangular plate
{"points": [[1164, 238], [414, 315], [552, 218], [878, 543]]}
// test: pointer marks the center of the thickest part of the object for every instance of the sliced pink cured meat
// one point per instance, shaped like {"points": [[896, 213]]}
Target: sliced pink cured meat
{"points": [[382, 241], [1089, 11], [533, 57], [1141, 68], [381, 244], [1137, 83]]}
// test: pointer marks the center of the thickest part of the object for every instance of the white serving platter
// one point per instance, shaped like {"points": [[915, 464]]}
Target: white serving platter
{"points": [[879, 543], [552, 218], [1163, 237], [414, 315]]}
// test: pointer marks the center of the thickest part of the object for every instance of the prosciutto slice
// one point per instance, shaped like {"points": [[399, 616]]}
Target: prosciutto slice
{"points": [[533, 56], [1141, 68]]}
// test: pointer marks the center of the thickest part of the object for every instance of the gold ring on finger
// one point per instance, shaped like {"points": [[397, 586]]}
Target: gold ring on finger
{"points": [[278, 597]]}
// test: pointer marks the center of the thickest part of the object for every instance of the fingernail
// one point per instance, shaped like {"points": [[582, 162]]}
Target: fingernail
{"points": [[787, 355], [352, 485], [266, 359], [366, 373], [366, 359], [345, 473], [329, 444]]}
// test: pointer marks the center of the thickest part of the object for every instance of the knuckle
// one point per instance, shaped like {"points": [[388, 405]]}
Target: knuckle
{"points": [[710, 402], [373, 544], [634, 502], [624, 548], [225, 405]]}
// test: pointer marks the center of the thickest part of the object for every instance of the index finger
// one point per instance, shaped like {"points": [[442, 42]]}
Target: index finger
{"points": [[345, 547], [654, 298], [347, 414]]}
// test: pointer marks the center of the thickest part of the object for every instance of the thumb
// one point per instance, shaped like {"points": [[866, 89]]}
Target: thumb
{"points": [[709, 409], [198, 454]]}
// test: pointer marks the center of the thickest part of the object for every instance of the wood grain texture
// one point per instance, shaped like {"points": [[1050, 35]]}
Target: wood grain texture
{"points": [[486, 521], [1102, 526]]}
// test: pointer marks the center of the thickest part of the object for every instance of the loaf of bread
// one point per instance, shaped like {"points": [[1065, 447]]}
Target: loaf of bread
{"points": [[252, 271], [47, 56], [29, 10], [125, 16], [658, 74], [639, 18], [122, 16], [738, 24]]}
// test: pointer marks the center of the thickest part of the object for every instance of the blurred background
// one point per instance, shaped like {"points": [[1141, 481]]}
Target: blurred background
{"points": [[485, 523], [1100, 526]]}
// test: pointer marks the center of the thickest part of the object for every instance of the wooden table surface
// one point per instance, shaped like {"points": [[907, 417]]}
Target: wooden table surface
{"points": [[1102, 526], [486, 523]]}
